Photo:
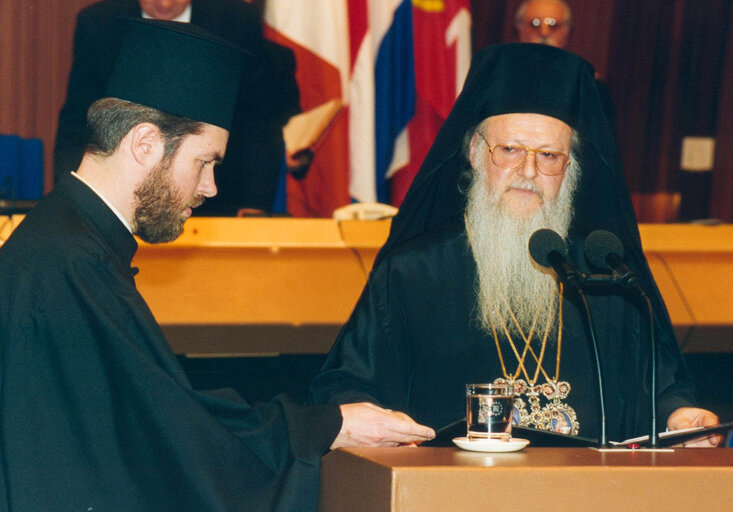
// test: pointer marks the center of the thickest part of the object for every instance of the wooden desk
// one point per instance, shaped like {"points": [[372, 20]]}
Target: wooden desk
{"points": [[693, 267], [232, 286], [535, 479], [251, 286]]}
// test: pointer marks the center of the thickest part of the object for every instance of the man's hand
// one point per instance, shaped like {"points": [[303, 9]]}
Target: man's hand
{"points": [[366, 424], [689, 417]]}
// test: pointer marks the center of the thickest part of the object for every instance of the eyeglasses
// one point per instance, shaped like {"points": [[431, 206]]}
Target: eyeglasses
{"points": [[511, 156], [551, 23]]}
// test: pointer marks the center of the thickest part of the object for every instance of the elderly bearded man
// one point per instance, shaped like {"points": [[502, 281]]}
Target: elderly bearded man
{"points": [[95, 411], [454, 297]]}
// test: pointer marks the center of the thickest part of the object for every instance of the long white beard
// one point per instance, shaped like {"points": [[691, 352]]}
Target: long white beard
{"points": [[508, 279]]}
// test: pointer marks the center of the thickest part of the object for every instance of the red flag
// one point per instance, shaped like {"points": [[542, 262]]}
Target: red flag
{"points": [[442, 39]]}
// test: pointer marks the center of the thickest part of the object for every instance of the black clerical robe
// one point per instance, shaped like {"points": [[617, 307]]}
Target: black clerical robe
{"points": [[413, 342], [95, 411]]}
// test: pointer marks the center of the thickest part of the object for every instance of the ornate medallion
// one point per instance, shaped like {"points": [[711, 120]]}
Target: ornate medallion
{"points": [[541, 406]]}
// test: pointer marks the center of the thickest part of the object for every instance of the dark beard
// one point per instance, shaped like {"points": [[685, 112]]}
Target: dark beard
{"points": [[157, 216]]}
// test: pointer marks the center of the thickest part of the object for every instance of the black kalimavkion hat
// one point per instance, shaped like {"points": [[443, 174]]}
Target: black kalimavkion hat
{"points": [[180, 69]]}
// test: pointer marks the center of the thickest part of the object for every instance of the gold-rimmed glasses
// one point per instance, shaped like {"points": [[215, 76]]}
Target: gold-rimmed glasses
{"points": [[511, 156]]}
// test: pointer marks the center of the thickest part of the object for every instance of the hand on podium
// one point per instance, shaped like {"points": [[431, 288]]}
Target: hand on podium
{"points": [[691, 417], [366, 424]]}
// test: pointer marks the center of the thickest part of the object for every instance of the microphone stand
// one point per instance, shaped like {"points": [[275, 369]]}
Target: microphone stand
{"points": [[603, 437], [630, 281], [604, 248], [653, 435], [547, 249], [576, 279]]}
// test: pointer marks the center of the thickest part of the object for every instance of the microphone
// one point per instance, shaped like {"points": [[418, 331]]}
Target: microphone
{"points": [[548, 249], [604, 250]]}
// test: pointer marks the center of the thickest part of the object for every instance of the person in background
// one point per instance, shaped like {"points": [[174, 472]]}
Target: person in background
{"points": [[544, 21], [95, 411], [268, 96], [550, 22], [454, 296]]}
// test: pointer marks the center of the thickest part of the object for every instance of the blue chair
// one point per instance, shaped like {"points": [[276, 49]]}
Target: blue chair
{"points": [[21, 168]]}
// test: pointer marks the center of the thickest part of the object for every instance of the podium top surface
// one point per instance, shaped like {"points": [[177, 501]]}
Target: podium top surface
{"points": [[530, 457]]}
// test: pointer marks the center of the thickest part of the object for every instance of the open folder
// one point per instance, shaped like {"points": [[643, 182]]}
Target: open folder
{"points": [[304, 130], [546, 438]]}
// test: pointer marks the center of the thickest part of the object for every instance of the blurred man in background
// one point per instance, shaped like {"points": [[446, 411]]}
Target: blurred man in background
{"points": [[268, 96], [544, 21]]}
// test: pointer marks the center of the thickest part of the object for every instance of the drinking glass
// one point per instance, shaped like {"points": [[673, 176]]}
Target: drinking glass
{"points": [[489, 411]]}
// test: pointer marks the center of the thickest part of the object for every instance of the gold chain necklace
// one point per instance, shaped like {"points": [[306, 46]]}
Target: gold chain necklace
{"points": [[521, 368], [554, 415]]}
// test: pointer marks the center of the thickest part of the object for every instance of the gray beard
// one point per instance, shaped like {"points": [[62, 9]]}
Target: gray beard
{"points": [[508, 280]]}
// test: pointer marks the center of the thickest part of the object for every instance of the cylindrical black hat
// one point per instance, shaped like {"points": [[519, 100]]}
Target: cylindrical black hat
{"points": [[180, 69]]}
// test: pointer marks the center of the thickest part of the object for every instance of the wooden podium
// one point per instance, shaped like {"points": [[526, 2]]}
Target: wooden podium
{"points": [[534, 479]]}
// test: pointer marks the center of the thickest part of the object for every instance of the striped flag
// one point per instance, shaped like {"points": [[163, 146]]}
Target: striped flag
{"points": [[442, 39], [379, 58]]}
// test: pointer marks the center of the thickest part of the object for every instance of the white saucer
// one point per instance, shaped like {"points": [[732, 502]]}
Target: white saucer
{"points": [[490, 445]]}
